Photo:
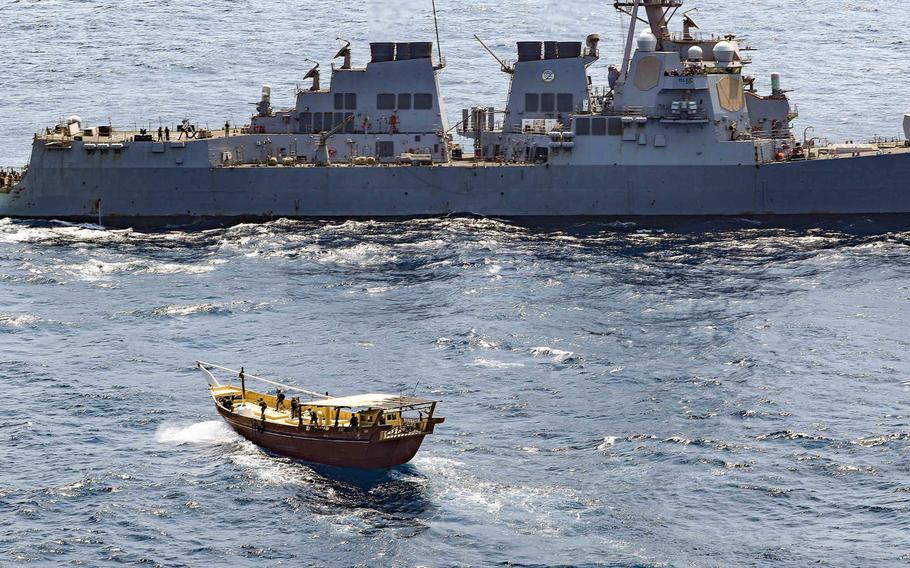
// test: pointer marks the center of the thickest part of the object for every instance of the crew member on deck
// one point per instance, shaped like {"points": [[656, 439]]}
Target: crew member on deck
{"points": [[262, 406], [279, 400], [353, 421], [314, 418], [160, 134]]}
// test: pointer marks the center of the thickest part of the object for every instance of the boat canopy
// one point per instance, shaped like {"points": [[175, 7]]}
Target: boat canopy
{"points": [[373, 400]]}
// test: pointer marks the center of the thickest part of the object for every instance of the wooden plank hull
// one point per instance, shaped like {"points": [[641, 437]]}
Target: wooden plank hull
{"points": [[335, 447]]}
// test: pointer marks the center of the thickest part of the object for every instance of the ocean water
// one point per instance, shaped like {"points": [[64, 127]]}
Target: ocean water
{"points": [[732, 395], [707, 394]]}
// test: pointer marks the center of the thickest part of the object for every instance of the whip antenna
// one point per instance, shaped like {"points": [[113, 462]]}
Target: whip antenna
{"points": [[438, 43]]}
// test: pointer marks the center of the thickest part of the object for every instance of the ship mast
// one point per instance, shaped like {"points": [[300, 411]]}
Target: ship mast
{"points": [[659, 13]]}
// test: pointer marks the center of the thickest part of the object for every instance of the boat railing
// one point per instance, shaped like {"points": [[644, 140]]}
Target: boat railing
{"points": [[407, 427], [242, 375]]}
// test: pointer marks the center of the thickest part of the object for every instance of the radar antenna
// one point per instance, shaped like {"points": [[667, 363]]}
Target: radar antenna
{"points": [[344, 52], [689, 24], [313, 74]]}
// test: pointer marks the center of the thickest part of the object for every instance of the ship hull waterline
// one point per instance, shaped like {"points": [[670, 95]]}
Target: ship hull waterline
{"points": [[122, 196], [316, 448]]}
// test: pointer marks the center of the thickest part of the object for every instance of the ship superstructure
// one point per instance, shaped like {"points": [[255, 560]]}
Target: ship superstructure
{"points": [[679, 130]]}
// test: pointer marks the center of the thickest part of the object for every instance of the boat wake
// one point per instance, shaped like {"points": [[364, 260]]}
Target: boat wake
{"points": [[208, 433]]}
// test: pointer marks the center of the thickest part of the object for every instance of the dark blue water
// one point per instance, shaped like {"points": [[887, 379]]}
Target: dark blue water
{"points": [[717, 394]]}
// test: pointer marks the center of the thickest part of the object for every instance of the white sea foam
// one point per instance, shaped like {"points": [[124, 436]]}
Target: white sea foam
{"points": [[556, 355], [493, 364], [18, 320], [208, 433], [609, 441]]}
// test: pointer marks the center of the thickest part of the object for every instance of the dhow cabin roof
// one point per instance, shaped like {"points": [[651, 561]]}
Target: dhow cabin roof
{"points": [[373, 400]]}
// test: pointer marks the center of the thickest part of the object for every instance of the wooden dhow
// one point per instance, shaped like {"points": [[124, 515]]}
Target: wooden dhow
{"points": [[368, 431]]}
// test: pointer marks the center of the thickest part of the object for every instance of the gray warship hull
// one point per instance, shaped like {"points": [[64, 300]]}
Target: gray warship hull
{"points": [[681, 131], [129, 195]]}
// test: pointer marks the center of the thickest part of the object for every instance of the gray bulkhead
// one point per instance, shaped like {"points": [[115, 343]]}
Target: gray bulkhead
{"points": [[394, 102]]}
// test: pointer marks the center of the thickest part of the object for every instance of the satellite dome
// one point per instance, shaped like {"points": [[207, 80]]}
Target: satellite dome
{"points": [[74, 119], [696, 53], [724, 52], [647, 41]]}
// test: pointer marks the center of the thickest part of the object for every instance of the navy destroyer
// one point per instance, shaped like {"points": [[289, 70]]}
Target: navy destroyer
{"points": [[678, 130]]}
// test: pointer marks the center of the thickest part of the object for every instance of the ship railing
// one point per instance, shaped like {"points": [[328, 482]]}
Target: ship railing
{"points": [[772, 134], [406, 428], [681, 37]]}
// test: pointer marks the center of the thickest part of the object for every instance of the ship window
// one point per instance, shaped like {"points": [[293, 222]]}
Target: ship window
{"points": [[327, 121], [583, 126], [547, 102], [532, 102], [350, 101], [404, 101], [339, 119], [615, 126], [349, 127], [385, 101], [565, 102], [306, 122], [423, 101], [317, 122], [599, 126], [339, 101]]}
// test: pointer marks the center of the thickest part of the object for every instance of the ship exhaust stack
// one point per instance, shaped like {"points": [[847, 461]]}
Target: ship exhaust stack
{"points": [[775, 85]]}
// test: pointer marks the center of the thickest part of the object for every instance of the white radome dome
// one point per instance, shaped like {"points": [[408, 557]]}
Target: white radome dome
{"points": [[74, 119], [647, 41], [724, 52], [696, 53]]}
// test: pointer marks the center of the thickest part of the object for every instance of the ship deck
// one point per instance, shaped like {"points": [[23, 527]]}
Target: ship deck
{"points": [[830, 152]]}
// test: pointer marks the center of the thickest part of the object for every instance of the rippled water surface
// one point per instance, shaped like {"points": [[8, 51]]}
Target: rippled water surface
{"points": [[723, 393], [615, 395]]}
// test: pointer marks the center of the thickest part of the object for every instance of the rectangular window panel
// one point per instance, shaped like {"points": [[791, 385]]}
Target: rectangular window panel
{"points": [[306, 122], [423, 101], [599, 126], [547, 102], [385, 149], [350, 101], [349, 127], [317, 122], [615, 126], [385, 101], [404, 101], [565, 102], [583, 126], [328, 121], [339, 118], [339, 101], [532, 102]]}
